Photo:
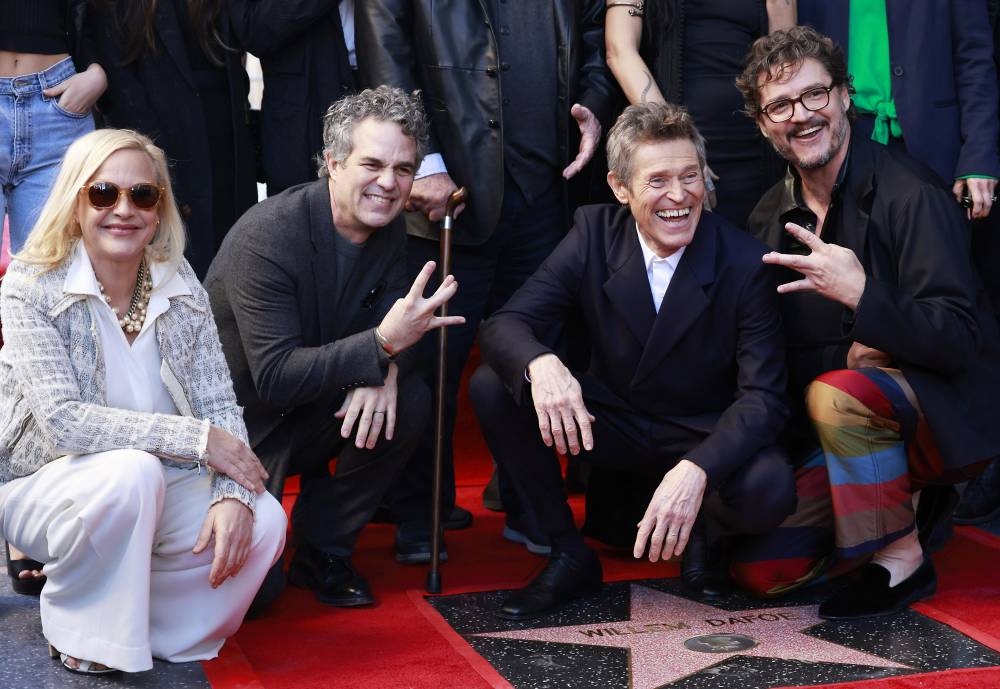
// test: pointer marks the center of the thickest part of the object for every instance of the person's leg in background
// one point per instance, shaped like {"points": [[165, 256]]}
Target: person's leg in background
{"points": [[42, 131], [487, 275]]}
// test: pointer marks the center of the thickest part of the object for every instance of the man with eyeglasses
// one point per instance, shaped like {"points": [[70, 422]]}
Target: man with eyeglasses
{"points": [[686, 376], [893, 358], [314, 310]]}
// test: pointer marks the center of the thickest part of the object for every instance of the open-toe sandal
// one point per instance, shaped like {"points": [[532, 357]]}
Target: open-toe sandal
{"points": [[31, 586], [83, 667]]}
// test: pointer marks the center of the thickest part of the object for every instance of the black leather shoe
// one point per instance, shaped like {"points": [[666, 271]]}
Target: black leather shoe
{"points": [[332, 578], [705, 566], [413, 545], [563, 580], [981, 500], [871, 595], [459, 518]]}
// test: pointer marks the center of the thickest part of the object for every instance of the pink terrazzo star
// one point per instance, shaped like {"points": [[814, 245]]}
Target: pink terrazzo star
{"points": [[661, 623]]}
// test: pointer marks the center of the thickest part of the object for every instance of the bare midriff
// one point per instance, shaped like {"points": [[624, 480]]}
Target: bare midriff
{"points": [[17, 64]]}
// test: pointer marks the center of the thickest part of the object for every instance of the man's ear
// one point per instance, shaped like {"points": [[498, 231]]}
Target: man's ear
{"points": [[761, 127], [619, 189], [331, 165]]}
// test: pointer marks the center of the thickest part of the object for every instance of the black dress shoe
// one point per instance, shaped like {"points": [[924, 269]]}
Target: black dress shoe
{"points": [[564, 579], [871, 595], [332, 578], [981, 500], [459, 518], [704, 565], [413, 545]]}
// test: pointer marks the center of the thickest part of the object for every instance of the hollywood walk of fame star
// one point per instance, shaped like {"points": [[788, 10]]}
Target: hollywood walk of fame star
{"points": [[660, 624]]}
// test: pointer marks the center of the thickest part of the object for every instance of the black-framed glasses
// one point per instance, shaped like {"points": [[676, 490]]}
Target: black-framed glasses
{"points": [[816, 98], [103, 195]]}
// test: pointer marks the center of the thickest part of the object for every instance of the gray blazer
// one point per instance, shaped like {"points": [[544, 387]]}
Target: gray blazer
{"points": [[53, 380], [292, 338]]}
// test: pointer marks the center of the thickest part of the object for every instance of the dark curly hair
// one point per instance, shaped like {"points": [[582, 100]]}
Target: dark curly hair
{"points": [[781, 52]]}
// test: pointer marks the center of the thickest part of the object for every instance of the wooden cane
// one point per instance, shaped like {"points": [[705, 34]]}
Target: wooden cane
{"points": [[456, 199]]}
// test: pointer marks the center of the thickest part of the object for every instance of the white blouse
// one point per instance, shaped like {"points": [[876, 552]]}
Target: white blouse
{"points": [[132, 370]]}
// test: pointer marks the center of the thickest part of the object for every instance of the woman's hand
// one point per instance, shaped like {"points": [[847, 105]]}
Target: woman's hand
{"points": [[230, 523], [229, 455], [80, 92]]}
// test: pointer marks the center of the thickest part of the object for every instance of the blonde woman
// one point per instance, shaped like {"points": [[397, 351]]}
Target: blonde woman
{"points": [[123, 454]]}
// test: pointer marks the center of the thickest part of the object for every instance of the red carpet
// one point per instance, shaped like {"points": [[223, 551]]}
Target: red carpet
{"points": [[302, 644]]}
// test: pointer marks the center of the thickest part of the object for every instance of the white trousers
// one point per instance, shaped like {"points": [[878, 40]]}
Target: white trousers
{"points": [[116, 530]]}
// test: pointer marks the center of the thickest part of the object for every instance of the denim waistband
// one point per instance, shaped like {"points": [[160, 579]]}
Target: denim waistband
{"points": [[34, 83]]}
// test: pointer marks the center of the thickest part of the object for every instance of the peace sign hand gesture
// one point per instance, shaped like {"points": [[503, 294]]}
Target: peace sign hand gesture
{"points": [[830, 270]]}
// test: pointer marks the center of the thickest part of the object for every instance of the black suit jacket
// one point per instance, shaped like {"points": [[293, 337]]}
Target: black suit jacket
{"points": [[158, 96], [291, 339], [943, 78], [303, 56], [447, 48], [922, 304], [711, 359]]}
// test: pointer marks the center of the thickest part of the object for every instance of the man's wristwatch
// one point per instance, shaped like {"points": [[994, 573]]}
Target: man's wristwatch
{"points": [[384, 343]]}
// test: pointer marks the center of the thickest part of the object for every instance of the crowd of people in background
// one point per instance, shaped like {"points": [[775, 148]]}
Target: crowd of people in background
{"points": [[805, 191]]}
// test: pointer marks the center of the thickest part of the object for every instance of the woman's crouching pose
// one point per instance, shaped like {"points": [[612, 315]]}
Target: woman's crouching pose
{"points": [[123, 456]]}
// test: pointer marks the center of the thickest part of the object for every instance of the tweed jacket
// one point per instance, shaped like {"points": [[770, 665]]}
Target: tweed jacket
{"points": [[53, 380]]}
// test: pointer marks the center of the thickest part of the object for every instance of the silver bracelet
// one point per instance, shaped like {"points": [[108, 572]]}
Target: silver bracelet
{"points": [[636, 8]]}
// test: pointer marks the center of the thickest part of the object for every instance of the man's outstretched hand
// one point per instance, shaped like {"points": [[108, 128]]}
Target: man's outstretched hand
{"points": [[413, 315]]}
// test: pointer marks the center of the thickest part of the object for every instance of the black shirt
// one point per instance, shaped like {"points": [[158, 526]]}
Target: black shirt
{"points": [[34, 26]]}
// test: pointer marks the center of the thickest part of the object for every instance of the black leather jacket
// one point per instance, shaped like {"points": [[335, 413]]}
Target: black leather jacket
{"points": [[448, 49]]}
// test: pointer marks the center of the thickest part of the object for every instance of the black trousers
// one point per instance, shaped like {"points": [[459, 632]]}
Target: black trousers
{"points": [[754, 499], [332, 509], [487, 275]]}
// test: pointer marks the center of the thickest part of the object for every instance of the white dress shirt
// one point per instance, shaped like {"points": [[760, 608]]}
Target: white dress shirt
{"points": [[660, 271]]}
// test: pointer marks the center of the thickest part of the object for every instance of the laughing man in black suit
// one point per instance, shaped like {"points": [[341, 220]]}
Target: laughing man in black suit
{"points": [[687, 370]]}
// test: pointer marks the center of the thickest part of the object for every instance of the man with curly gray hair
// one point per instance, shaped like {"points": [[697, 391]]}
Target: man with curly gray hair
{"points": [[315, 312]]}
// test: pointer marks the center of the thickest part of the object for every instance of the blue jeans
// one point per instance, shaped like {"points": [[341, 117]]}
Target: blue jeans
{"points": [[34, 134]]}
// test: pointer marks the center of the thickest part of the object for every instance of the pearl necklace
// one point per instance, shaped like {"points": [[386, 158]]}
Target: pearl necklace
{"points": [[133, 319]]}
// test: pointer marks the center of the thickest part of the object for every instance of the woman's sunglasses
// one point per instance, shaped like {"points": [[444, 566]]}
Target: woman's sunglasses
{"points": [[102, 195]]}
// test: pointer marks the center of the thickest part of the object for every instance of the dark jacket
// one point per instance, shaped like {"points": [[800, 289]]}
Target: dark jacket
{"points": [[291, 339], [921, 304], [712, 359], [447, 48], [943, 79], [157, 95], [82, 34], [303, 56]]}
